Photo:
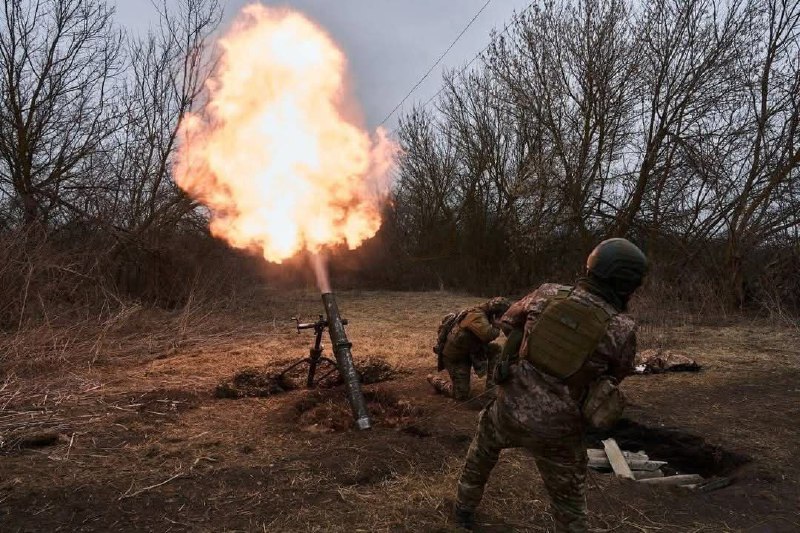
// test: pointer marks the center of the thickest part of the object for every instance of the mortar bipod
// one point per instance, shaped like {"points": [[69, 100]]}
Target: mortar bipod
{"points": [[315, 357]]}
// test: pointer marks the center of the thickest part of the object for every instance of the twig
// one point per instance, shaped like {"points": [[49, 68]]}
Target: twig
{"points": [[69, 448], [151, 487], [25, 296]]}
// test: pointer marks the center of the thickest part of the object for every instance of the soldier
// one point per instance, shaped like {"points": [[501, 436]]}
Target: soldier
{"points": [[469, 344], [567, 348]]}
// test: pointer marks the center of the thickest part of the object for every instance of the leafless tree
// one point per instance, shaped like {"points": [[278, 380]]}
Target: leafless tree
{"points": [[58, 63], [168, 68], [568, 68], [673, 122], [88, 122], [759, 169]]}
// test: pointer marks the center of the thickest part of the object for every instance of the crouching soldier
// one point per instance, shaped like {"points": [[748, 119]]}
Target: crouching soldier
{"points": [[465, 342], [567, 349]]}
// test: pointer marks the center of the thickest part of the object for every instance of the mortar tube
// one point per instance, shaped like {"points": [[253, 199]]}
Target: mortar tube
{"points": [[344, 360]]}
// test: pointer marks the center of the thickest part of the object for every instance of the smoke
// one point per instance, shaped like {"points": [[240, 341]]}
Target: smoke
{"points": [[320, 266]]}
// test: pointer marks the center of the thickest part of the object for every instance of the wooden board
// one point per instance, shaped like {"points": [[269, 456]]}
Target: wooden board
{"points": [[643, 474], [634, 464], [685, 479], [597, 453], [709, 484], [617, 459]]}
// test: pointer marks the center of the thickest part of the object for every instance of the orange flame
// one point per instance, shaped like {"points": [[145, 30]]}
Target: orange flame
{"points": [[274, 156]]}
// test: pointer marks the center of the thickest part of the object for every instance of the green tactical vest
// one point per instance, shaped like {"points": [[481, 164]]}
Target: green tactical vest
{"points": [[566, 334]]}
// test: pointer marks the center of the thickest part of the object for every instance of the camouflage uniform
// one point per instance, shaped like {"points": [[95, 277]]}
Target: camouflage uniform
{"points": [[542, 413], [468, 342]]}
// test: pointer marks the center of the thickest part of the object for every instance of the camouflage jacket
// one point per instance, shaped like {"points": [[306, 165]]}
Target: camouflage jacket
{"points": [[469, 335], [537, 403]]}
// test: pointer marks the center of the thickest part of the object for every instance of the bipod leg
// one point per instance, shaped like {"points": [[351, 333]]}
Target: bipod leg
{"points": [[334, 368], [294, 365], [313, 360], [315, 354]]}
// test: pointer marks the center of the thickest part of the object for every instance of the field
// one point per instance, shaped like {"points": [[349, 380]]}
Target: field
{"points": [[116, 427]]}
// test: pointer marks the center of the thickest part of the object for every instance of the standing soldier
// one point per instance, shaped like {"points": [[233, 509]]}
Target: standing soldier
{"points": [[469, 344], [567, 349]]}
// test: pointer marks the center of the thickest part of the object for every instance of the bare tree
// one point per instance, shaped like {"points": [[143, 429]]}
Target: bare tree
{"points": [[568, 68], [58, 63], [426, 180], [759, 170], [169, 67], [674, 122], [687, 49]]}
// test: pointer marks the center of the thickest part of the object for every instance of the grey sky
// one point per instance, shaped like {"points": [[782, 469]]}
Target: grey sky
{"points": [[390, 43]]}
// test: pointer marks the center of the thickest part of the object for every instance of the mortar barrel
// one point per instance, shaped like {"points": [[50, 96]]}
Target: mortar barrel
{"points": [[344, 360]]}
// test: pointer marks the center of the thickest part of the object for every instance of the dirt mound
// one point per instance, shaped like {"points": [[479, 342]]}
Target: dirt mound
{"points": [[372, 370], [326, 412], [254, 382], [685, 452]]}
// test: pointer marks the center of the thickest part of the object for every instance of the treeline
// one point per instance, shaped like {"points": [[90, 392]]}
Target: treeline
{"points": [[675, 123], [89, 213], [672, 122]]}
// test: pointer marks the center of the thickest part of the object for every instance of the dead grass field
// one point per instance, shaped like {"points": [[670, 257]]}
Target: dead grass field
{"points": [[142, 444]]}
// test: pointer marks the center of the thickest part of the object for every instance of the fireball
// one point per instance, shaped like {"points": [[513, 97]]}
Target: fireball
{"points": [[276, 154]]}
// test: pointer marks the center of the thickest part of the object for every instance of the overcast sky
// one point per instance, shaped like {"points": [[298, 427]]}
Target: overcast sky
{"points": [[390, 43]]}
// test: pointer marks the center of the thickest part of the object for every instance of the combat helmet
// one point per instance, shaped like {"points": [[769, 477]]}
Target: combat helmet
{"points": [[619, 263], [497, 306]]}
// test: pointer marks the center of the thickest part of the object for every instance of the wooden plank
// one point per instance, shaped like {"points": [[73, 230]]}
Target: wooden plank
{"points": [[711, 484], [617, 460], [685, 479], [648, 466], [596, 453], [634, 464], [644, 474]]}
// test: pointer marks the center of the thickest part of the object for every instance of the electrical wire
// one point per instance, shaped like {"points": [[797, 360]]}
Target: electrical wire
{"points": [[471, 61], [506, 27], [439, 60]]}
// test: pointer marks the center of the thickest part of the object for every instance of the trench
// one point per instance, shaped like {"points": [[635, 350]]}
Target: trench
{"points": [[685, 452]]}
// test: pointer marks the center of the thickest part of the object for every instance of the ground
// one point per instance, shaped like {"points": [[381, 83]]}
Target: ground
{"points": [[117, 428]]}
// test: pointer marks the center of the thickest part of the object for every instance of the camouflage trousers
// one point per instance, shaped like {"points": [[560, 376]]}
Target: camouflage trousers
{"points": [[561, 464], [460, 372]]}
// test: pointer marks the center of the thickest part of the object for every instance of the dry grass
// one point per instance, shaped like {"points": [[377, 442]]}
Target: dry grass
{"points": [[141, 436]]}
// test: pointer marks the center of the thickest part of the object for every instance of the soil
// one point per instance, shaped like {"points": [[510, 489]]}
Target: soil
{"points": [[143, 444], [328, 412]]}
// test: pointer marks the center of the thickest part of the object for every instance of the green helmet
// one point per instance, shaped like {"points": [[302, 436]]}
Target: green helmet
{"points": [[619, 262], [497, 306]]}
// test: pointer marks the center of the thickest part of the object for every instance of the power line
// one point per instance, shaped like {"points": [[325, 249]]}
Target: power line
{"points": [[439, 60], [471, 61]]}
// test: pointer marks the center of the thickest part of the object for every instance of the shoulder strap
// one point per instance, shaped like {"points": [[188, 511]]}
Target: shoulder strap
{"points": [[460, 316], [564, 291]]}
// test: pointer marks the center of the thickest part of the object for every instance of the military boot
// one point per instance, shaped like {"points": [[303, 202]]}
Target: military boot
{"points": [[438, 384], [464, 517]]}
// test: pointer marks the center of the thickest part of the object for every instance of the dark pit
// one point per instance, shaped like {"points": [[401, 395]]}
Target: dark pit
{"points": [[685, 452]]}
